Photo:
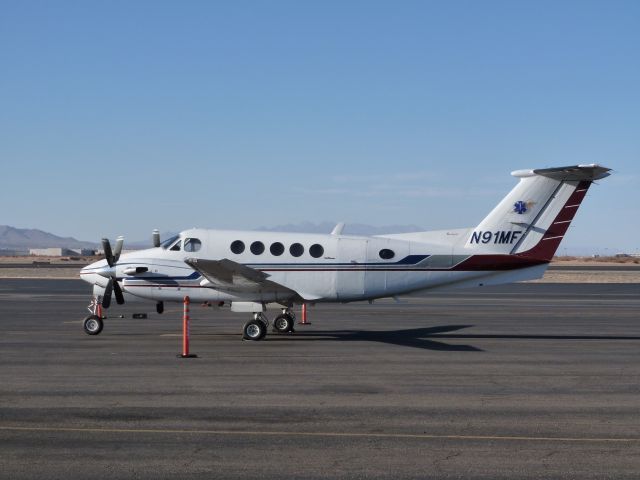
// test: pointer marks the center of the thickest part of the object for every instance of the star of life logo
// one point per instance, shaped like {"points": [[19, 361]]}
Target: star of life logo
{"points": [[520, 207]]}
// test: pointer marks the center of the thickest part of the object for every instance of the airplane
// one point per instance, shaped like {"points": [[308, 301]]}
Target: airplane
{"points": [[248, 270]]}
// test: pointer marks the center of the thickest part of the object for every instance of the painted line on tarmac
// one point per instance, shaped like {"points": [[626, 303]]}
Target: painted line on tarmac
{"points": [[275, 433]]}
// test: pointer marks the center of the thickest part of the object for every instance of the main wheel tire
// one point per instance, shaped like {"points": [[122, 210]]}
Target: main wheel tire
{"points": [[254, 330], [93, 325], [283, 323]]}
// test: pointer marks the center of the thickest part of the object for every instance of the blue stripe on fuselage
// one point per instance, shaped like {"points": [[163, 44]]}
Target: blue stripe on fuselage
{"points": [[406, 261]]}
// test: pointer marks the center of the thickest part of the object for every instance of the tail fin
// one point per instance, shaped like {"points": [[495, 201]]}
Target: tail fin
{"points": [[532, 219]]}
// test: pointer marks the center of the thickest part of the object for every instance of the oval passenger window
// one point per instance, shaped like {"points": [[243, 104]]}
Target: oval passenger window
{"points": [[276, 249], [296, 249], [316, 250], [387, 254], [257, 248], [237, 247]]}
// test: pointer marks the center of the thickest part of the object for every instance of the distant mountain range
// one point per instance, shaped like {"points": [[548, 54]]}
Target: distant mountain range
{"points": [[12, 238]]}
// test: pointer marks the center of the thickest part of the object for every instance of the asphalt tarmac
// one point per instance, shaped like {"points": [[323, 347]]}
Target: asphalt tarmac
{"points": [[522, 381]]}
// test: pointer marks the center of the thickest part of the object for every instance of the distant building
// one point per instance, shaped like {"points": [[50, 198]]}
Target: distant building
{"points": [[8, 252], [84, 252], [50, 252], [100, 252], [60, 252], [627, 255]]}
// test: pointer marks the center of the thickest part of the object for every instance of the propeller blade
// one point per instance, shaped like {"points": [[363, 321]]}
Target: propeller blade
{"points": [[156, 238], [106, 298], [118, 291], [108, 254], [118, 248]]}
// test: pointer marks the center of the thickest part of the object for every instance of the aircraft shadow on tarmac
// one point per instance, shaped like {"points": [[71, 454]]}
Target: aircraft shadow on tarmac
{"points": [[430, 338], [413, 337]]}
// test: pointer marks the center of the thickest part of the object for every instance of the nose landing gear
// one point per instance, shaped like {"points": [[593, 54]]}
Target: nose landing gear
{"points": [[93, 323]]}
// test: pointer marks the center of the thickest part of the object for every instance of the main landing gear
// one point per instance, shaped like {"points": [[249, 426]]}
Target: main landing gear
{"points": [[256, 329]]}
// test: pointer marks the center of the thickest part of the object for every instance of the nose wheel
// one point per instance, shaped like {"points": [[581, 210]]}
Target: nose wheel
{"points": [[93, 325]]}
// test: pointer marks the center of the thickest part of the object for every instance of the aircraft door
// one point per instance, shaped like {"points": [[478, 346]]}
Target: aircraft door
{"points": [[351, 256], [375, 279]]}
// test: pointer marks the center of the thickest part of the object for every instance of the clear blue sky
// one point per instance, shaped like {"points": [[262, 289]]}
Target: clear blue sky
{"points": [[123, 116]]}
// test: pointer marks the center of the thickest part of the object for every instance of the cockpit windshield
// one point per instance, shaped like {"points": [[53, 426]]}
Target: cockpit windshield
{"points": [[167, 243]]}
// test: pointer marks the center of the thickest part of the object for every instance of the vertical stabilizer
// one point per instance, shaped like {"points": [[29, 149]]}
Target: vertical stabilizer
{"points": [[534, 217]]}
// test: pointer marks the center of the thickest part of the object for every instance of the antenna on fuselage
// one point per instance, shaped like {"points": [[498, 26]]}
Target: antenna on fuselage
{"points": [[156, 237], [337, 230]]}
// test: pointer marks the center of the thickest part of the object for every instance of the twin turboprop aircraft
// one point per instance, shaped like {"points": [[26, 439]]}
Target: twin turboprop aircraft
{"points": [[249, 269]]}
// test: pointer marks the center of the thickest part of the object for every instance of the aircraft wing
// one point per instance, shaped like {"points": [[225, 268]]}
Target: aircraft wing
{"points": [[231, 276]]}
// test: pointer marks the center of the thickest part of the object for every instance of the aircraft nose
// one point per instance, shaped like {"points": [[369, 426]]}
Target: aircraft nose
{"points": [[90, 273]]}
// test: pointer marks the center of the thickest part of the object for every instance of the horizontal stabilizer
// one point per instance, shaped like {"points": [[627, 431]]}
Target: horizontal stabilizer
{"points": [[576, 173]]}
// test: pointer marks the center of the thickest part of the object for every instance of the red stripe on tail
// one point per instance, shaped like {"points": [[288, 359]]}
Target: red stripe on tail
{"points": [[548, 245]]}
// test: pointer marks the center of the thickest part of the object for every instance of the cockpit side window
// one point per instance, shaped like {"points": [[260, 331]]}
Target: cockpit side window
{"points": [[176, 247], [192, 245], [167, 243]]}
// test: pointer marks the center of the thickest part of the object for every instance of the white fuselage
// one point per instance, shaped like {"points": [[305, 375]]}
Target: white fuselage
{"points": [[320, 268]]}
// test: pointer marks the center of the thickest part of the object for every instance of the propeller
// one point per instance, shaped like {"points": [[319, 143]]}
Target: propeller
{"points": [[118, 292], [106, 298], [112, 257]]}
